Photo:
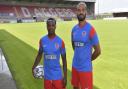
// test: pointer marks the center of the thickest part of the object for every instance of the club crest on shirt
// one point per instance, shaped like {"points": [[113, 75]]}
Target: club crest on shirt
{"points": [[56, 45], [83, 33], [73, 33], [44, 46]]}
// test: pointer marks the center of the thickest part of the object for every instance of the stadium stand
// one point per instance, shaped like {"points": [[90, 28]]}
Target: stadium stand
{"points": [[29, 11], [34, 13]]}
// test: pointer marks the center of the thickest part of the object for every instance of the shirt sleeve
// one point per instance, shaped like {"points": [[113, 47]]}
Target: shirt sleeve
{"points": [[63, 50], [94, 37], [40, 46]]}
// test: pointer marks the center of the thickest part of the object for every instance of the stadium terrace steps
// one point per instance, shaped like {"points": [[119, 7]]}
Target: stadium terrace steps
{"points": [[6, 80]]}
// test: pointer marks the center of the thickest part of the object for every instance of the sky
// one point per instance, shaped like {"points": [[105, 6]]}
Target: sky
{"points": [[109, 5]]}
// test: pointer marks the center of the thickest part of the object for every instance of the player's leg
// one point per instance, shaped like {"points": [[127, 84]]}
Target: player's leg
{"points": [[58, 84], [48, 84], [86, 80], [75, 79], [75, 87]]}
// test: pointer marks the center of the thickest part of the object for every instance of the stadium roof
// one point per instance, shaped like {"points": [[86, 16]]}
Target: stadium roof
{"points": [[57, 0], [82, 0], [50, 1], [119, 10]]}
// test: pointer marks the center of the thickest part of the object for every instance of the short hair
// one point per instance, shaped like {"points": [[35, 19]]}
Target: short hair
{"points": [[82, 3], [52, 20]]}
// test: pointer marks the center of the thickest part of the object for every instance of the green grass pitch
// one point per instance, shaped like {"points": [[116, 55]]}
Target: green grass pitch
{"points": [[20, 45]]}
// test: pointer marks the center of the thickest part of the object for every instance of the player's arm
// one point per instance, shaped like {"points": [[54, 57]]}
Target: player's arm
{"points": [[97, 51], [64, 61], [95, 44], [37, 60], [72, 41], [38, 57], [64, 69]]}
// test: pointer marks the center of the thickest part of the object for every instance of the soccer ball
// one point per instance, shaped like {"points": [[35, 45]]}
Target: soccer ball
{"points": [[39, 71]]}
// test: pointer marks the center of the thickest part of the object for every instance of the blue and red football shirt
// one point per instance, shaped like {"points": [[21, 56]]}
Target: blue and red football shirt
{"points": [[52, 48], [84, 38]]}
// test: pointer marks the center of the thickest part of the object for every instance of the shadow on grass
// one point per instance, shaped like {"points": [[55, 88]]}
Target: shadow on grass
{"points": [[20, 58]]}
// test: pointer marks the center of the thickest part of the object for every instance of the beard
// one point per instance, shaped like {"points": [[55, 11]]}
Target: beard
{"points": [[51, 32], [81, 17]]}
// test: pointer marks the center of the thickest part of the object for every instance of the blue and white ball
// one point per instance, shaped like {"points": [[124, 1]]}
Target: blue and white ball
{"points": [[39, 71]]}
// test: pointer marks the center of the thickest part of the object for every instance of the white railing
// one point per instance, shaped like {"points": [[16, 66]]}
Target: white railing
{"points": [[1, 60]]}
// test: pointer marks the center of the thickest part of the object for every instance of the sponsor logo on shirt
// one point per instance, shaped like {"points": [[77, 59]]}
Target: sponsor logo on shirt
{"points": [[50, 57], [79, 44]]}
